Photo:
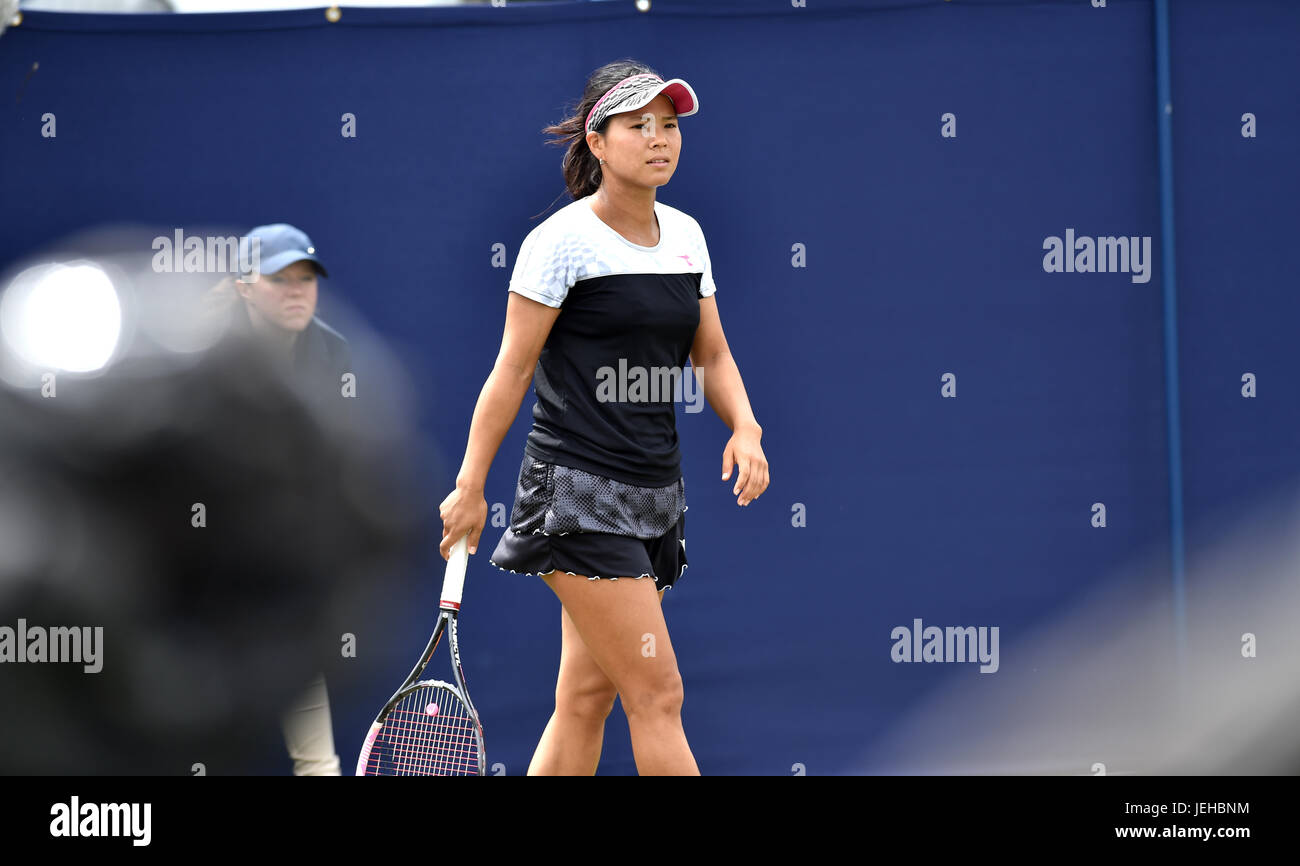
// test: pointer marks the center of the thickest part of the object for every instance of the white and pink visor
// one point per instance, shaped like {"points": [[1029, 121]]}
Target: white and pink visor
{"points": [[639, 90]]}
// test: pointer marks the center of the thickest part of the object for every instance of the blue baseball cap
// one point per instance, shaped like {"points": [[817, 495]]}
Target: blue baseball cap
{"points": [[280, 245]]}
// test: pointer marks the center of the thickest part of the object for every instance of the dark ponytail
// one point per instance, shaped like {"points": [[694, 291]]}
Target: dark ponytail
{"points": [[582, 174]]}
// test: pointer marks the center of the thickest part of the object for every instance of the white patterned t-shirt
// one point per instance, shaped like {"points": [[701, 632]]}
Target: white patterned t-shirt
{"points": [[612, 365]]}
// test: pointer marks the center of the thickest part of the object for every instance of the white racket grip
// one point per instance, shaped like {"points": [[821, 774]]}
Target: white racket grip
{"points": [[453, 584], [365, 748]]}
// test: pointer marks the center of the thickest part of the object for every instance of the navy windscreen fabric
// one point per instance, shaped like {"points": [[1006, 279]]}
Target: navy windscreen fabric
{"points": [[876, 182], [1237, 194]]}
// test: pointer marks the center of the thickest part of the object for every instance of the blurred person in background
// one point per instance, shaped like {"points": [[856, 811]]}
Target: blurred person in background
{"points": [[210, 625], [276, 306], [279, 308]]}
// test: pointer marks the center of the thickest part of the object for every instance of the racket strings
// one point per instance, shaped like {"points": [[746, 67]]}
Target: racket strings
{"points": [[429, 733]]}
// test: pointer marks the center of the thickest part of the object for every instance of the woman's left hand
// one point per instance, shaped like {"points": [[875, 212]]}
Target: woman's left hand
{"points": [[744, 451]]}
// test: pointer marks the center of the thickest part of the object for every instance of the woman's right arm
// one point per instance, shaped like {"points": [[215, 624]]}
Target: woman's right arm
{"points": [[528, 324]]}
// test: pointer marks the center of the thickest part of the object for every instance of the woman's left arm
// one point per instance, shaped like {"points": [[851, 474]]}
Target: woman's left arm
{"points": [[717, 372]]}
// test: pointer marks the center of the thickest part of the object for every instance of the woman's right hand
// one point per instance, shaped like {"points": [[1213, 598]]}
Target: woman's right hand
{"points": [[464, 512]]}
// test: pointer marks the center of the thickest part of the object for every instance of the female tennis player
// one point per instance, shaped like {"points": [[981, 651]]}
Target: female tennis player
{"points": [[609, 298]]}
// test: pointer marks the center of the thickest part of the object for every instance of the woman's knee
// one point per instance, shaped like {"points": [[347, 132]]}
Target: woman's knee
{"points": [[660, 694], [592, 702], [603, 617]]}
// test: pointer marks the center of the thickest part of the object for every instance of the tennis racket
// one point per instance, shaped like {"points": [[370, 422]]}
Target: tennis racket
{"points": [[429, 727]]}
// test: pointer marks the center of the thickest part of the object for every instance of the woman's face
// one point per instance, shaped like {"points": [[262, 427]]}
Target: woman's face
{"points": [[640, 147], [286, 298]]}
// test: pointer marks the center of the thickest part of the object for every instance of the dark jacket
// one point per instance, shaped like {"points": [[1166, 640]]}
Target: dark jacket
{"points": [[321, 355]]}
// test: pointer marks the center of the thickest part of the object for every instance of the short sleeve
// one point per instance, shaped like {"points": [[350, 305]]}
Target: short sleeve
{"points": [[707, 287], [543, 271]]}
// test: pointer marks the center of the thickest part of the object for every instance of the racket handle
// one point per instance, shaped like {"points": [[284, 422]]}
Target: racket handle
{"points": [[453, 584]]}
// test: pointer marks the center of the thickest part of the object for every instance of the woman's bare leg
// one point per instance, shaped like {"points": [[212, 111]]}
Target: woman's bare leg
{"points": [[621, 625], [584, 697]]}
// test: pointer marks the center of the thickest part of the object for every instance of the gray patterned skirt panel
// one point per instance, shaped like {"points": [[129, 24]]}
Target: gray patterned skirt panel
{"points": [[558, 500]]}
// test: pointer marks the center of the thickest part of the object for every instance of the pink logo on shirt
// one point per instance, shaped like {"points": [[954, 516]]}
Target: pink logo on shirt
{"points": [[689, 263]]}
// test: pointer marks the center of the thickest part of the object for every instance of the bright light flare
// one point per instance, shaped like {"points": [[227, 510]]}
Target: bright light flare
{"points": [[62, 317]]}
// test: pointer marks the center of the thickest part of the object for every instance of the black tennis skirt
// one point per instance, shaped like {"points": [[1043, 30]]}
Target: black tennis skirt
{"points": [[579, 523]]}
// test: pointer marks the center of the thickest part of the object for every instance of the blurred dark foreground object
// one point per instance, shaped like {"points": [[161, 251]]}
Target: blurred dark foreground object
{"points": [[208, 632]]}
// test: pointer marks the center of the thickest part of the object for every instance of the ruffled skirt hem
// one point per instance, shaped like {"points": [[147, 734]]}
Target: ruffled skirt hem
{"points": [[596, 555]]}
